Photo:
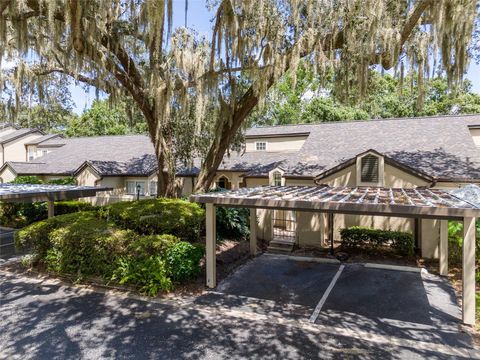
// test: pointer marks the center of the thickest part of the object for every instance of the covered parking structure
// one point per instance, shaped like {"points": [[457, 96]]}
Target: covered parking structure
{"points": [[46, 193], [376, 201]]}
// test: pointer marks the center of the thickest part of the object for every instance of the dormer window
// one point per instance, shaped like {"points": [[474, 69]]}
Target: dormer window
{"points": [[277, 178], [223, 183], [370, 167], [261, 146]]}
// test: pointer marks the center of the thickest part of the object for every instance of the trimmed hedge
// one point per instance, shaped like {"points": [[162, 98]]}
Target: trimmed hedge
{"points": [[80, 244], [158, 216], [372, 239], [18, 214], [84, 244]]}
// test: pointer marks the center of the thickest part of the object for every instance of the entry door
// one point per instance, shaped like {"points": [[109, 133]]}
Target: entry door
{"points": [[284, 225]]}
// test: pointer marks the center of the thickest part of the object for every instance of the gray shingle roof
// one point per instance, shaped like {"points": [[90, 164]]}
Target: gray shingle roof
{"points": [[44, 138], [78, 150], [440, 147], [17, 134]]}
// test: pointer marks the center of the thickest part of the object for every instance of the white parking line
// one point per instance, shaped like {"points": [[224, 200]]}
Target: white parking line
{"points": [[320, 304]]}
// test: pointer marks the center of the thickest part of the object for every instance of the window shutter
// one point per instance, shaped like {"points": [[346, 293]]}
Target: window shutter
{"points": [[369, 169]]}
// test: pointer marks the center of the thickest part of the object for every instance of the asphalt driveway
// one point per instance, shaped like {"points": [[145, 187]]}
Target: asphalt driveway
{"points": [[264, 310]]}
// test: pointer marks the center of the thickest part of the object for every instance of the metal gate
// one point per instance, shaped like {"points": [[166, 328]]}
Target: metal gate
{"points": [[284, 225]]}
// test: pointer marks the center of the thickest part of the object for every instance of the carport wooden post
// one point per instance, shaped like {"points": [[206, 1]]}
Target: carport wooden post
{"points": [[468, 274], [253, 231], [443, 263], [51, 208], [211, 232]]}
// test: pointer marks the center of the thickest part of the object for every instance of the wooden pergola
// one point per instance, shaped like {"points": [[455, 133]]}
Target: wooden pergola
{"points": [[46, 193], [376, 201]]}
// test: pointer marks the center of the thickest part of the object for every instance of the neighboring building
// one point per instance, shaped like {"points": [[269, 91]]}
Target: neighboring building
{"points": [[430, 152], [13, 140]]}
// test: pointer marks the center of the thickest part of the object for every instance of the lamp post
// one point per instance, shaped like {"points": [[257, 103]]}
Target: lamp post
{"points": [[138, 191]]}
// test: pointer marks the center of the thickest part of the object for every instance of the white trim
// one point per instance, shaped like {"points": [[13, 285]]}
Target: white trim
{"points": [[270, 176], [261, 142], [381, 170]]}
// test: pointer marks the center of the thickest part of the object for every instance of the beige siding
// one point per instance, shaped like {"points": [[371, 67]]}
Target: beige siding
{"points": [[233, 177], [253, 182], [475, 133], [300, 182], [7, 175], [87, 177], [394, 177], [15, 150], [344, 177], [276, 143]]}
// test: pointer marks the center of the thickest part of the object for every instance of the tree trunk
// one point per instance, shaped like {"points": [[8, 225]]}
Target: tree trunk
{"points": [[221, 143]]}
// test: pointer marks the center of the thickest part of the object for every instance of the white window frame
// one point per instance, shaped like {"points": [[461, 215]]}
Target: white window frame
{"points": [[135, 183], [153, 184], [381, 170], [271, 177], [257, 143]]}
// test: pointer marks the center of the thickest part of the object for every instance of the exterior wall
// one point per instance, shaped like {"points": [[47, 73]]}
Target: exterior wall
{"points": [[39, 151], [475, 133], [7, 175], [395, 177], [274, 144], [253, 182], [344, 177], [233, 176], [15, 150], [87, 177], [430, 238]]}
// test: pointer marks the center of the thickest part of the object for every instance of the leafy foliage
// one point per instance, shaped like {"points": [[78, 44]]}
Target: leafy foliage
{"points": [[21, 214], [104, 118], [233, 223], [311, 101], [372, 239], [158, 216], [148, 273], [84, 245], [182, 261], [455, 241]]}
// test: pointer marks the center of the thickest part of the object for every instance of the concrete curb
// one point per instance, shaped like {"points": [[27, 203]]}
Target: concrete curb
{"points": [[304, 258], [396, 268]]}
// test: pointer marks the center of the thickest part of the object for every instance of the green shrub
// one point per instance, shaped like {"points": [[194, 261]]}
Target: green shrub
{"points": [[455, 241], [233, 223], [158, 216], [63, 181], [80, 244], [372, 239], [152, 244], [148, 274], [35, 237], [72, 206], [183, 261], [19, 215], [27, 180]]}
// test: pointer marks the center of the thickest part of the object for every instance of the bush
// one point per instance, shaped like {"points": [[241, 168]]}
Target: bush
{"points": [[372, 239], [158, 216], [233, 223], [183, 261], [152, 244], [148, 274], [27, 180], [455, 241], [19, 215], [79, 244]]}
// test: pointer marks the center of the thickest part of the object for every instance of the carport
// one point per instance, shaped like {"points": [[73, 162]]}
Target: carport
{"points": [[408, 203], [46, 193]]}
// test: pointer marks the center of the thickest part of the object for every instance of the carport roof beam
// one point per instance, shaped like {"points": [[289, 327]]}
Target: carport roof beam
{"points": [[432, 203], [34, 193]]}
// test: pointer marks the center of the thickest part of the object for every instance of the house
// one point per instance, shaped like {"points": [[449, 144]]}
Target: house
{"points": [[429, 152], [13, 140]]}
